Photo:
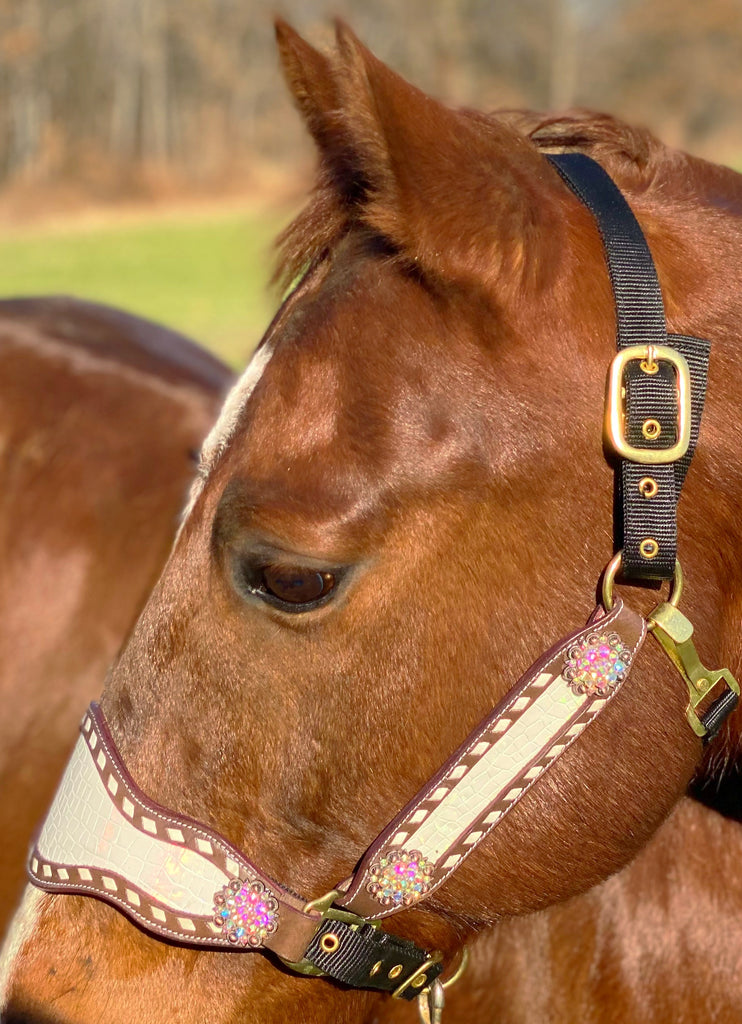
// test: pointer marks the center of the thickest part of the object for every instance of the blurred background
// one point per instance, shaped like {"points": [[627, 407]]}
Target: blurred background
{"points": [[149, 152]]}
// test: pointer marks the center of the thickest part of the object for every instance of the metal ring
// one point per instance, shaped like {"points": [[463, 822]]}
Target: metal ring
{"points": [[463, 964], [614, 567], [649, 548]]}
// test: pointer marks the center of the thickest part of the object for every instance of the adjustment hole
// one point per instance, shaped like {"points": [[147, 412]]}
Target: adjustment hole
{"points": [[651, 429], [648, 486], [329, 943], [649, 547], [395, 971], [375, 969]]}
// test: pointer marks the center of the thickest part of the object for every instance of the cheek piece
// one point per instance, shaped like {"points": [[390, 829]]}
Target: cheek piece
{"points": [[180, 880]]}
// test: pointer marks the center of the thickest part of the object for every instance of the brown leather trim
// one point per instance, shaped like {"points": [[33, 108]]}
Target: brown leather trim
{"points": [[294, 928], [400, 833]]}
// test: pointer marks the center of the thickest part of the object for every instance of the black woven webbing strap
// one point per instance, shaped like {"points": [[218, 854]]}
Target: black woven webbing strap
{"points": [[640, 320], [366, 957]]}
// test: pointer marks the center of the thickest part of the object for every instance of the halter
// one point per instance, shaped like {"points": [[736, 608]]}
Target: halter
{"points": [[182, 881]]}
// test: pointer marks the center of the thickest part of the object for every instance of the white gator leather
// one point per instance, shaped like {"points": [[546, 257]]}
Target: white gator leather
{"points": [[84, 827], [496, 769]]}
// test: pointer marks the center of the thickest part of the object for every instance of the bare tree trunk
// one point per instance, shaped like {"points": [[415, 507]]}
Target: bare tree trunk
{"points": [[563, 77], [154, 72], [27, 103], [123, 48]]}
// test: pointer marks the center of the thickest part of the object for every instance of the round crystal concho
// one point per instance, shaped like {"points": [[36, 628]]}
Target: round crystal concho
{"points": [[597, 664], [246, 912], [400, 878]]}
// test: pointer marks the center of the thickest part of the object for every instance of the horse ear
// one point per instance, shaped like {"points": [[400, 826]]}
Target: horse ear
{"points": [[310, 78], [456, 191]]}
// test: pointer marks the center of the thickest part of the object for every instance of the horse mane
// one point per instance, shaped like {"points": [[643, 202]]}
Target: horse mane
{"points": [[336, 202]]}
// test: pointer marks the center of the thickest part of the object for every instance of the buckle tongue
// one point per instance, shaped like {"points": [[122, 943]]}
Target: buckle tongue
{"points": [[615, 413]]}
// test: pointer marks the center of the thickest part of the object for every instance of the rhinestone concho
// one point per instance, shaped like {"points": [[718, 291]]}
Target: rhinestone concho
{"points": [[400, 877], [246, 912], [597, 665]]}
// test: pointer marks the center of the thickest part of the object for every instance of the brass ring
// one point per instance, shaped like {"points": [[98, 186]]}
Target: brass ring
{"points": [[649, 548], [614, 567], [463, 963]]}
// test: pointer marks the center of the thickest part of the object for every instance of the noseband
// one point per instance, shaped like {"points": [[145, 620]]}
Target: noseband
{"points": [[182, 881]]}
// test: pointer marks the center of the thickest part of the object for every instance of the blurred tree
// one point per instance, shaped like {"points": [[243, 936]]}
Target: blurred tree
{"points": [[112, 92], [675, 65]]}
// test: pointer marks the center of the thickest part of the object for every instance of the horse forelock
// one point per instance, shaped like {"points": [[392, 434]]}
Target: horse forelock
{"points": [[332, 210]]}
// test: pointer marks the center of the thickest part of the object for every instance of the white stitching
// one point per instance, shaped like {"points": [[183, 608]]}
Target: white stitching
{"points": [[598, 705]]}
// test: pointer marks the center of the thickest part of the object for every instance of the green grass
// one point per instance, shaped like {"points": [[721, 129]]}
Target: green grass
{"points": [[205, 275]]}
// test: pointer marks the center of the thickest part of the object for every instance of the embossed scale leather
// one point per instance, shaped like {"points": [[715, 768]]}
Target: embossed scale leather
{"points": [[501, 759], [85, 827], [103, 837], [540, 714]]}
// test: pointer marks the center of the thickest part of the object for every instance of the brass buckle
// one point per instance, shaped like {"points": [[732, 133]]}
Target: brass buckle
{"points": [[417, 979], [323, 906], [615, 415]]}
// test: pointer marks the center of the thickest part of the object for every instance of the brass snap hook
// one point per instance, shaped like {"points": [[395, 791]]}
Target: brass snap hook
{"points": [[431, 1000]]}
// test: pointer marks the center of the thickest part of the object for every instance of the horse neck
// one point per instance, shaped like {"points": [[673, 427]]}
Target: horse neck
{"points": [[705, 299]]}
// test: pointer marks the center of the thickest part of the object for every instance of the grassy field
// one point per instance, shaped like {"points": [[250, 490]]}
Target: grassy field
{"points": [[204, 272]]}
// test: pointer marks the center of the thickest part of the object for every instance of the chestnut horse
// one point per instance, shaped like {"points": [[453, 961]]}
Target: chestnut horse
{"points": [[101, 417], [403, 502]]}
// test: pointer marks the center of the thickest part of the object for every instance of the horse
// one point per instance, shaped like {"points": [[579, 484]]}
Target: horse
{"points": [[404, 500], [101, 418]]}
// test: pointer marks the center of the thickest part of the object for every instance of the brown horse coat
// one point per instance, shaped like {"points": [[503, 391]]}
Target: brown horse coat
{"points": [[425, 430], [102, 415]]}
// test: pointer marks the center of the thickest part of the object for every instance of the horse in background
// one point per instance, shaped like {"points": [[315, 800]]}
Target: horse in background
{"points": [[102, 415], [403, 502]]}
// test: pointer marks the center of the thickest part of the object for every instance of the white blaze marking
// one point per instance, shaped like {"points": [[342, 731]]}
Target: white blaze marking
{"points": [[224, 429], [21, 930]]}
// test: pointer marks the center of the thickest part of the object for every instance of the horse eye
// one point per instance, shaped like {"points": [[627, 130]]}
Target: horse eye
{"points": [[295, 585]]}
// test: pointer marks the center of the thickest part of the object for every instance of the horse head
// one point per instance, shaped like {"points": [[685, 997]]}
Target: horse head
{"points": [[405, 500]]}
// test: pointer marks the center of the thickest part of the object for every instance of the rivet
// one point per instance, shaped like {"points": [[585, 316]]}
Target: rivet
{"points": [[375, 969], [419, 982], [329, 942], [395, 971], [648, 486], [651, 429], [649, 547]]}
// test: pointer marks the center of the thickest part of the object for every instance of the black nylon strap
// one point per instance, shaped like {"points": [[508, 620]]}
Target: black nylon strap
{"points": [[657, 517], [640, 320], [367, 957]]}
